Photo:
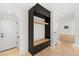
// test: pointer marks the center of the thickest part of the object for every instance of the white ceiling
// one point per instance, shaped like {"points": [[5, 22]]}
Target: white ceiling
{"points": [[67, 9], [49, 6]]}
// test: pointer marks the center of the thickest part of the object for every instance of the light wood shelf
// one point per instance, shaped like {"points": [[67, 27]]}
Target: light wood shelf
{"points": [[37, 42], [41, 22]]}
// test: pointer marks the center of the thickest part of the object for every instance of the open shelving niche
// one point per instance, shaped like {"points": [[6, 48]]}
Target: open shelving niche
{"points": [[41, 22], [38, 45], [39, 41]]}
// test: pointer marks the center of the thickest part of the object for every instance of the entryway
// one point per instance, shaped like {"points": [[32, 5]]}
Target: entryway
{"points": [[9, 33]]}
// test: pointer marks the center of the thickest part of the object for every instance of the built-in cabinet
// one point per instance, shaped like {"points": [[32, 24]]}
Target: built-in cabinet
{"points": [[37, 45]]}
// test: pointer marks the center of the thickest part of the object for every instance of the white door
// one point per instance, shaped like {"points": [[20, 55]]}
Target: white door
{"points": [[8, 36]]}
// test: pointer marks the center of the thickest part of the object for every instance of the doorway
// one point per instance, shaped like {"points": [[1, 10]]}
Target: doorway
{"points": [[9, 33]]}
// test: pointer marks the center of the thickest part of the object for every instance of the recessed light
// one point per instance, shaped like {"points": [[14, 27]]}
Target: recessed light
{"points": [[9, 11]]}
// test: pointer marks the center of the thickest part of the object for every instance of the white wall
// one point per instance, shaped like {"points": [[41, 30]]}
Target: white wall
{"points": [[61, 15], [70, 30], [67, 20], [77, 28], [23, 16], [55, 30], [39, 29]]}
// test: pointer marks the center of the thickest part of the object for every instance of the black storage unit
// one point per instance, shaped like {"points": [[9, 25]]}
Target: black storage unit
{"points": [[41, 12]]}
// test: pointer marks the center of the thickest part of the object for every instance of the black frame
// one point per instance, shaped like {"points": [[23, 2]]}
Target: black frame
{"points": [[38, 11]]}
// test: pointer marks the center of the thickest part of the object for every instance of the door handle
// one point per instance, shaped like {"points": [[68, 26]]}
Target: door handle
{"points": [[2, 35]]}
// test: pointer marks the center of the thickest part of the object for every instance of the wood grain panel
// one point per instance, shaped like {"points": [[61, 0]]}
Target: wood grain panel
{"points": [[36, 42], [67, 38]]}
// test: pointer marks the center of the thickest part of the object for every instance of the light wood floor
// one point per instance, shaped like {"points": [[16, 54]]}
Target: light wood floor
{"points": [[62, 49], [11, 52]]}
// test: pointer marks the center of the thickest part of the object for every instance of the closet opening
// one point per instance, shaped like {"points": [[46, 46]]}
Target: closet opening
{"points": [[39, 29]]}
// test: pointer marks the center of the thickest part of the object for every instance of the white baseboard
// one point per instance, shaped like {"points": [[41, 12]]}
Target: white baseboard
{"points": [[24, 53], [56, 44]]}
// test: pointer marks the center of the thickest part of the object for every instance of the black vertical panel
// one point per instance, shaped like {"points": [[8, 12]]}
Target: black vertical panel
{"points": [[47, 28], [30, 30]]}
